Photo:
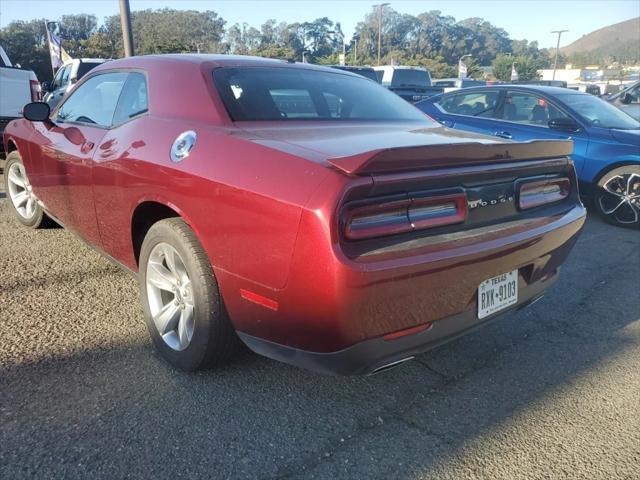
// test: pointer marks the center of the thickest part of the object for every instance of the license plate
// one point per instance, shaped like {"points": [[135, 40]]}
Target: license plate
{"points": [[497, 293]]}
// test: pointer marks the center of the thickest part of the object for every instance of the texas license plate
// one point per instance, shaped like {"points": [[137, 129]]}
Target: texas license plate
{"points": [[497, 293]]}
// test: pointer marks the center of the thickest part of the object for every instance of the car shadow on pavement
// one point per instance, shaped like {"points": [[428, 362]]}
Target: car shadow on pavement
{"points": [[120, 411]]}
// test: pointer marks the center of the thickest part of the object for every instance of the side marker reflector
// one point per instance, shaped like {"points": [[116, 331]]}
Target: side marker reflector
{"points": [[408, 331], [259, 299]]}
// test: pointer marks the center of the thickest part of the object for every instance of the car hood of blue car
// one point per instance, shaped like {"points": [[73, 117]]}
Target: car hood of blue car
{"points": [[629, 137]]}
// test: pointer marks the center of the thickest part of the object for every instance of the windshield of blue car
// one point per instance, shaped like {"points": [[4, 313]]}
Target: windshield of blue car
{"points": [[269, 94], [598, 113]]}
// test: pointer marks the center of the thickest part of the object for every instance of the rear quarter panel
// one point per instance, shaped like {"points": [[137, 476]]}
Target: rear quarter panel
{"points": [[243, 200]]}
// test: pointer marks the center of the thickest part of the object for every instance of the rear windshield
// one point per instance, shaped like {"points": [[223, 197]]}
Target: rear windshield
{"points": [[369, 73], [409, 77], [86, 67], [263, 93]]}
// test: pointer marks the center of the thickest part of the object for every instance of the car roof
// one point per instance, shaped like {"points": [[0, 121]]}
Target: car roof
{"points": [[352, 67], [213, 60], [399, 67], [533, 88]]}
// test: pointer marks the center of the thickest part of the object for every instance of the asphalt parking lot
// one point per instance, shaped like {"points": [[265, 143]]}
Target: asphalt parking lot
{"points": [[552, 391]]}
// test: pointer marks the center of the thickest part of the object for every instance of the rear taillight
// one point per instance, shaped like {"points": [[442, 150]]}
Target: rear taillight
{"points": [[541, 192], [36, 91], [404, 215]]}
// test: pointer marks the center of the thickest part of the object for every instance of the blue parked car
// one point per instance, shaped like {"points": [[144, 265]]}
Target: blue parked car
{"points": [[606, 140]]}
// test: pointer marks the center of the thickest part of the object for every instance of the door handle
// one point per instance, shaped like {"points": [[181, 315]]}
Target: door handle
{"points": [[506, 135], [445, 122]]}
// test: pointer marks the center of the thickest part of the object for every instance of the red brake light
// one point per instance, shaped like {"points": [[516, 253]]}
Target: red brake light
{"points": [[404, 215], [540, 192], [36, 91]]}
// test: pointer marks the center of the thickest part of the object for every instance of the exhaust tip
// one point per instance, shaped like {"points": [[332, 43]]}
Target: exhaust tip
{"points": [[391, 365]]}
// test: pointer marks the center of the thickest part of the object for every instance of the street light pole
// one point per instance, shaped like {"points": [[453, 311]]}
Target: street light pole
{"points": [[380, 7], [125, 22], [555, 62]]}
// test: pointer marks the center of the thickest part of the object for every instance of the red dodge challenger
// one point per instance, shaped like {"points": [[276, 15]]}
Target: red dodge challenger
{"points": [[305, 212]]}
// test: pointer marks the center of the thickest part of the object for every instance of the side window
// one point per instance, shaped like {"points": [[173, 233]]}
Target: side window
{"points": [[134, 99], [94, 102], [57, 81], [529, 109], [66, 71], [475, 104]]}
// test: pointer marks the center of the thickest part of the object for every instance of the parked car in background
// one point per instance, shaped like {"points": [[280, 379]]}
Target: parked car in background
{"points": [[67, 76], [17, 88], [590, 88], [344, 238], [451, 84], [411, 83], [628, 100], [606, 141], [545, 83], [366, 72]]}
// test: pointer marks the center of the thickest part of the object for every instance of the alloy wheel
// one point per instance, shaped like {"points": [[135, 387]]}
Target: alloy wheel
{"points": [[170, 296], [20, 192], [619, 198]]}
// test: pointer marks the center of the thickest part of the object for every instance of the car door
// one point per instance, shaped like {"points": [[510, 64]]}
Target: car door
{"points": [[67, 158], [525, 115], [472, 111], [117, 165]]}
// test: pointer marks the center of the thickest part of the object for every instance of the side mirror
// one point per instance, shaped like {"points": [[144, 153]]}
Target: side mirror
{"points": [[36, 112], [626, 98], [564, 123], [45, 87]]}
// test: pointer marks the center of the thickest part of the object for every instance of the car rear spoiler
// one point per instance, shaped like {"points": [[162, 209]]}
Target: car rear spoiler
{"points": [[449, 155]]}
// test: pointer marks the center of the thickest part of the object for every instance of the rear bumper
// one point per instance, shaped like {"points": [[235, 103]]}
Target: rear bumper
{"points": [[370, 356], [334, 311]]}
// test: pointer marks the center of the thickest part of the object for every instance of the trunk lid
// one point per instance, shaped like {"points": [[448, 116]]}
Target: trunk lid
{"points": [[368, 147]]}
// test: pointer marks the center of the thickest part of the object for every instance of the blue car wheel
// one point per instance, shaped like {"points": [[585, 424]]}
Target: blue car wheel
{"points": [[617, 197]]}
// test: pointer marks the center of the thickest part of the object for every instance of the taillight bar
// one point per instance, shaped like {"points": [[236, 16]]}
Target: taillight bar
{"points": [[541, 192], [404, 215]]}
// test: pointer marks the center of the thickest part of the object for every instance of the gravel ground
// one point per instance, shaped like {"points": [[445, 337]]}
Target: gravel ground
{"points": [[552, 391]]}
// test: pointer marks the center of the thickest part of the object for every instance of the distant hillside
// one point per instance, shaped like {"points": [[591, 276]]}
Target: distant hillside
{"points": [[621, 40]]}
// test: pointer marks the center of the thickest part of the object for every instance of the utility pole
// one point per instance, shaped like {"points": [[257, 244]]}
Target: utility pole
{"points": [[555, 62], [380, 7], [125, 23], [355, 50]]}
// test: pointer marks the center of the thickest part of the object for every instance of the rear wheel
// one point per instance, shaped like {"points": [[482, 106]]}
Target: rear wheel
{"points": [[617, 196], [184, 311], [23, 199]]}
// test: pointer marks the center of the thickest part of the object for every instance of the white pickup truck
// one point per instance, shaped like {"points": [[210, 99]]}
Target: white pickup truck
{"points": [[17, 88]]}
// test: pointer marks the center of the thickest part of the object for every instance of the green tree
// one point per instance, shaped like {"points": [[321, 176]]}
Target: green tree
{"points": [[75, 30], [26, 44], [526, 66]]}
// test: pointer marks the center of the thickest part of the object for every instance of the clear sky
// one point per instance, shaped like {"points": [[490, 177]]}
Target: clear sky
{"points": [[530, 19]]}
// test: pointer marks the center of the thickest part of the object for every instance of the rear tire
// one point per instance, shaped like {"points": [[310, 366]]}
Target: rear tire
{"points": [[20, 194], [184, 311], [617, 196]]}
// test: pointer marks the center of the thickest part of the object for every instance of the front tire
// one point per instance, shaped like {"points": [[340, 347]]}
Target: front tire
{"points": [[185, 315], [21, 196], [617, 196]]}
